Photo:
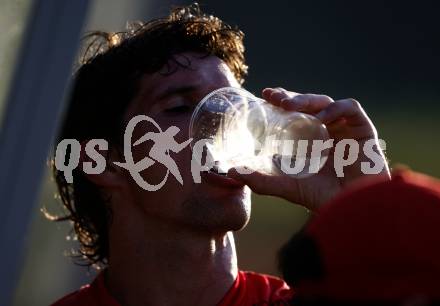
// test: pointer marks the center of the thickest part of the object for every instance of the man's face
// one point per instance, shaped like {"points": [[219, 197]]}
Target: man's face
{"points": [[217, 204]]}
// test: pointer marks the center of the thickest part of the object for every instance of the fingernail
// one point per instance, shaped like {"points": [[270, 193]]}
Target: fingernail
{"points": [[267, 89]]}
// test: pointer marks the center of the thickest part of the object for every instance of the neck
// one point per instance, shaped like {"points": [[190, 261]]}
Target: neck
{"points": [[170, 267]]}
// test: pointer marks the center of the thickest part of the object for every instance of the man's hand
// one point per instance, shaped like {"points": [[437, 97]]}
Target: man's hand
{"points": [[345, 119]]}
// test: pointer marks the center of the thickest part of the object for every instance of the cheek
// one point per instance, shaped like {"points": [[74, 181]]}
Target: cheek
{"points": [[156, 173], [182, 158], [168, 199], [172, 192], [183, 162]]}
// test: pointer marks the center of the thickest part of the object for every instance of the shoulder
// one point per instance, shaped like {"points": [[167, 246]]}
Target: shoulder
{"points": [[255, 289], [94, 294], [80, 297], [265, 288]]}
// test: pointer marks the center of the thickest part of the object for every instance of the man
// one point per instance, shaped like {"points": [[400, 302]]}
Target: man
{"points": [[174, 246]]}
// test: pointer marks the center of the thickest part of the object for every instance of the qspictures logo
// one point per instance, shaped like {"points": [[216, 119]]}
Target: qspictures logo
{"points": [[68, 151]]}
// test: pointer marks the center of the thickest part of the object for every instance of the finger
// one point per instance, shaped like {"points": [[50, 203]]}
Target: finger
{"points": [[288, 188], [307, 103], [347, 108], [265, 94], [258, 182], [276, 95], [337, 126]]}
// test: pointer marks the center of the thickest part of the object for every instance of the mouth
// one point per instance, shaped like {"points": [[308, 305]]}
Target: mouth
{"points": [[218, 176], [216, 169]]}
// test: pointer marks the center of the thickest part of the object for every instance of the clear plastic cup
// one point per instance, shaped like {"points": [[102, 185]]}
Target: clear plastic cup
{"points": [[240, 129]]}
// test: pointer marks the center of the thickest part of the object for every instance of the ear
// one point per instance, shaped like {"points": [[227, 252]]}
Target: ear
{"points": [[97, 163]]}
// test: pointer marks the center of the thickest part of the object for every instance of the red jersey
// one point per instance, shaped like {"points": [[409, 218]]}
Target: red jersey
{"points": [[249, 289]]}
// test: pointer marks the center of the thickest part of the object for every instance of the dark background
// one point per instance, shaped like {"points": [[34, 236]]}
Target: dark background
{"points": [[385, 53]]}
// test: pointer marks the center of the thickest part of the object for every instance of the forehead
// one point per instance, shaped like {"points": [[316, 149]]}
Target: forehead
{"points": [[189, 69], [192, 66]]}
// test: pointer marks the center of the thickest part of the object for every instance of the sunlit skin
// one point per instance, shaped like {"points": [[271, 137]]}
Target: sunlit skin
{"points": [[344, 119], [175, 246]]}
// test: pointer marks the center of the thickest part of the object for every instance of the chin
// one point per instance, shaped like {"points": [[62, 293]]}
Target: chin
{"points": [[220, 213]]}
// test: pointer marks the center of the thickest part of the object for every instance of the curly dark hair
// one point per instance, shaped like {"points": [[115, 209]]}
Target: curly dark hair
{"points": [[106, 82]]}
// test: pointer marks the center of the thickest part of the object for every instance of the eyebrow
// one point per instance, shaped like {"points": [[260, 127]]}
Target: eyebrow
{"points": [[177, 90]]}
